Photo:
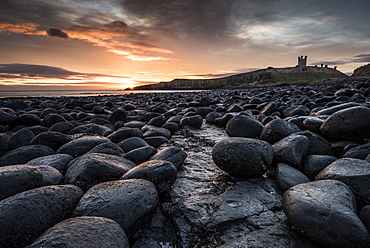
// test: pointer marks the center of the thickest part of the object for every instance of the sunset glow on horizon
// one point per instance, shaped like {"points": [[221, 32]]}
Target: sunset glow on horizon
{"points": [[118, 44]]}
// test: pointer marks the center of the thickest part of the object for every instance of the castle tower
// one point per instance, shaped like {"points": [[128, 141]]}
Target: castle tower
{"points": [[302, 62]]}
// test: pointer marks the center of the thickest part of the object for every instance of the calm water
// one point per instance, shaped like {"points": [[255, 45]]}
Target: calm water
{"points": [[59, 93]]}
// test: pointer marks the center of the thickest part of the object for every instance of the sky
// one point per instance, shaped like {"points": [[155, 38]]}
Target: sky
{"points": [[117, 44]]}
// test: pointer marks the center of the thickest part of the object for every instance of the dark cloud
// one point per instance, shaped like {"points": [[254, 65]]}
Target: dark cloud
{"points": [[118, 27], [226, 74], [55, 32], [43, 71], [361, 58]]}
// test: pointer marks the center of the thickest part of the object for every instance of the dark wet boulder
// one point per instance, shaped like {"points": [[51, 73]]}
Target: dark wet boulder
{"points": [[291, 150], [134, 124], [62, 127], [141, 154], [81, 232], [50, 119], [17, 105], [204, 101], [171, 126], [7, 116], [317, 145], [162, 173], [277, 129], [156, 141], [287, 176], [15, 179], [57, 161], [223, 120], [269, 108], [157, 121], [353, 172], [25, 216], [148, 116], [325, 211], [24, 154], [360, 152], [29, 120], [211, 117], [313, 164], [365, 216], [125, 133], [50, 175], [244, 126], [132, 143], [194, 121], [38, 129], [20, 138], [204, 111], [235, 108], [313, 124], [128, 202], [52, 139], [118, 115], [93, 168], [108, 148], [348, 124], [171, 154], [243, 157], [81, 145], [157, 131], [296, 110], [331, 110], [4, 138]]}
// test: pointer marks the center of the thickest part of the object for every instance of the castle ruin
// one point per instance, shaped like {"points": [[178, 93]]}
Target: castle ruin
{"points": [[302, 62]]}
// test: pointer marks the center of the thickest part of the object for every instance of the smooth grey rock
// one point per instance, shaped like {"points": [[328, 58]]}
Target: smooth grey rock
{"points": [[20, 138], [7, 116], [287, 176], [57, 161], [81, 145], [15, 179], [118, 115], [269, 108], [125, 133], [365, 216], [360, 152], [135, 124], [171, 154], [132, 143], [211, 117], [82, 232], [141, 154], [171, 126], [62, 127], [318, 145], [222, 121], [353, 172], [24, 154], [93, 168], [4, 138], [128, 202], [162, 173], [108, 148], [195, 121], [313, 164], [296, 110], [29, 120], [52, 139], [277, 129], [157, 121], [156, 141], [348, 124], [235, 108], [313, 124], [331, 110], [244, 126], [243, 157], [50, 175], [25, 216], [51, 119], [291, 150], [157, 132], [325, 212]]}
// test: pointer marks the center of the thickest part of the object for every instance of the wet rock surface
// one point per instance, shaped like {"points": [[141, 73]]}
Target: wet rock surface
{"points": [[193, 197]]}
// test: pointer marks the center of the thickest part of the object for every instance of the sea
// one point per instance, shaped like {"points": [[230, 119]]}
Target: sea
{"points": [[78, 93]]}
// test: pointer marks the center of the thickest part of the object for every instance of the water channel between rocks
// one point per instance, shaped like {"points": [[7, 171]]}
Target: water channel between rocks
{"points": [[211, 209]]}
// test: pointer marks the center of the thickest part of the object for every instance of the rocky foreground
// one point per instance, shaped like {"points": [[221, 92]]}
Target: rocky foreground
{"points": [[285, 166]]}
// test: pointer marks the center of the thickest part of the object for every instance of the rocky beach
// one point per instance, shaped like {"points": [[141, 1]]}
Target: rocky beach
{"points": [[273, 166]]}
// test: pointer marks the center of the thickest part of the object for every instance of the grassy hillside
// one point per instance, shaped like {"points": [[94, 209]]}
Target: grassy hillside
{"points": [[260, 77]]}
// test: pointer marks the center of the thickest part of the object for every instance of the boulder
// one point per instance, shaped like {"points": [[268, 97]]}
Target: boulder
{"points": [[132, 143], [50, 119], [25, 216], [20, 138], [317, 145], [141, 154], [162, 173], [24, 154], [244, 126], [360, 152], [277, 129], [29, 120], [15, 179], [62, 127], [52, 139], [7, 116], [195, 121], [118, 115], [81, 232], [313, 164], [124, 133], [171, 154], [325, 212], [243, 157], [152, 132], [365, 216], [348, 124], [81, 145], [93, 168], [353, 172], [57, 161], [291, 150], [128, 202], [108, 148], [287, 176], [156, 141], [50, 175]]}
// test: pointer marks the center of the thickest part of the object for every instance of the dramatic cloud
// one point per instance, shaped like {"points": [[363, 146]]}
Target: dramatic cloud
{"points": [[54, 32], [22, 71], [225, 73], [362, 58]]}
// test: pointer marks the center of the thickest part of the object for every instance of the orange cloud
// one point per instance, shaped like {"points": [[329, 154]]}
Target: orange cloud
{"points": [[116, 37]]}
